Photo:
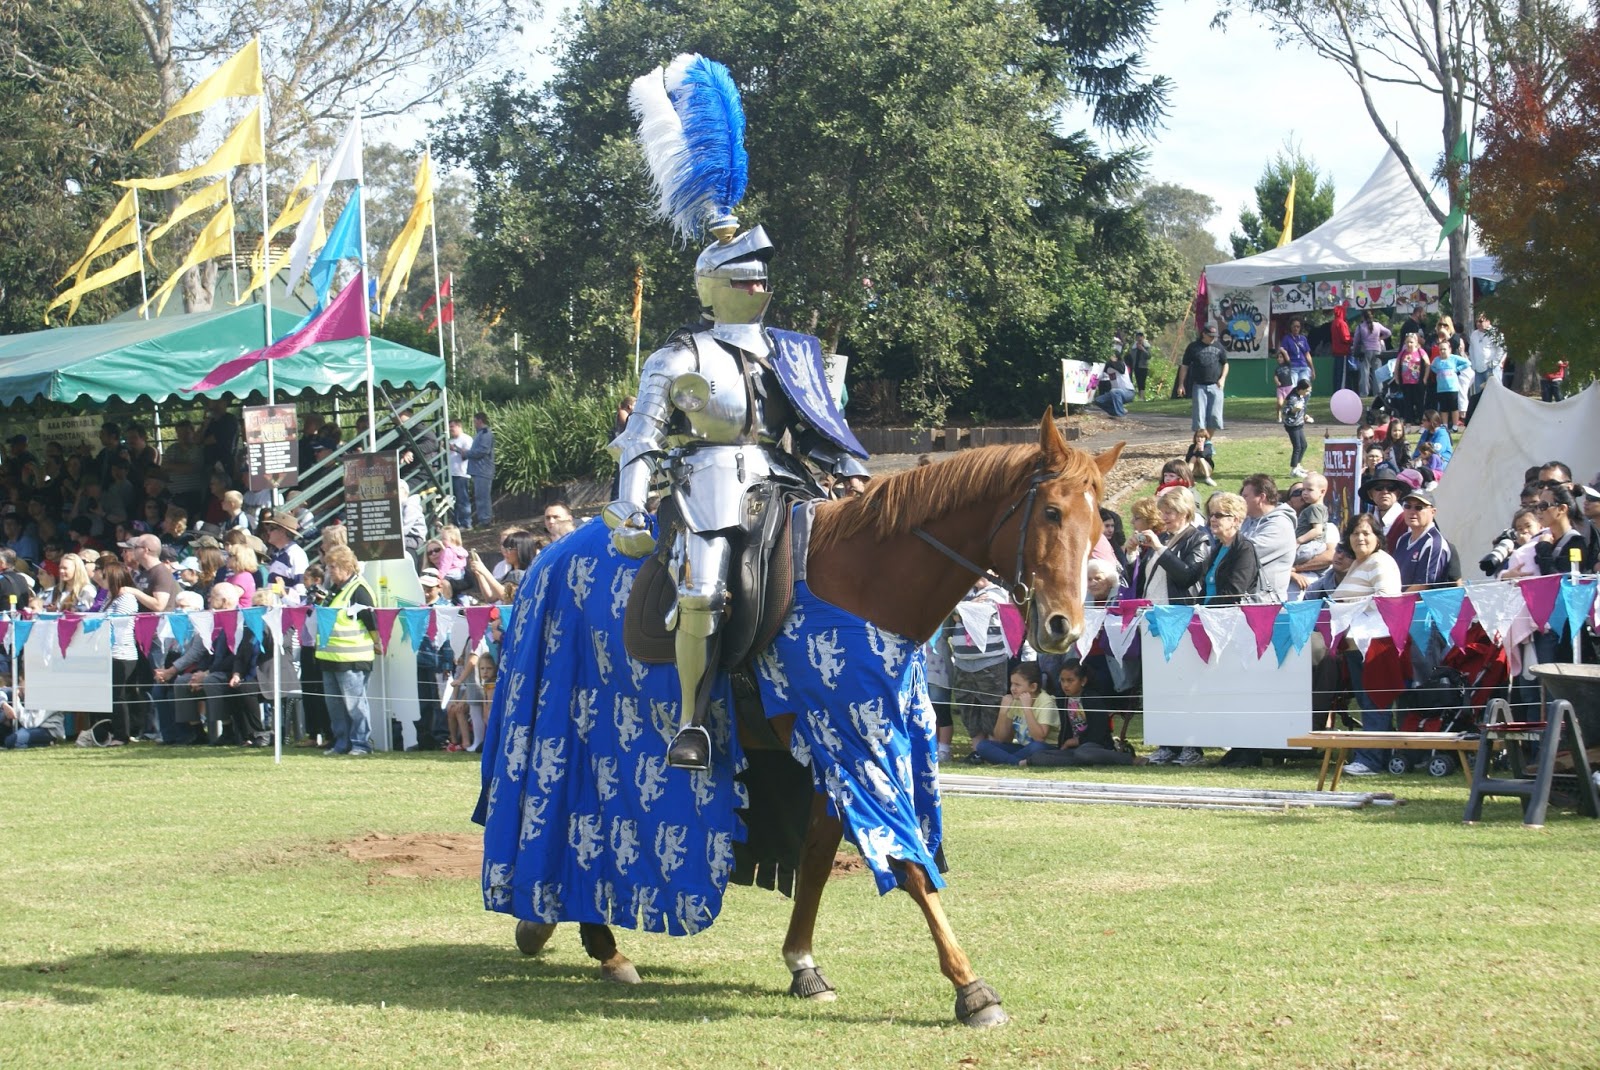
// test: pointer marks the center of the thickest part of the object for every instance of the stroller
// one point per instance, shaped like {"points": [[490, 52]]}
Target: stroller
{"points": [[1452, 698]]}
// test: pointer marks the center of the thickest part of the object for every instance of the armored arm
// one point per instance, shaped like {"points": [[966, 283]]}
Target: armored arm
{"points": [[841, 464], [639, 447]]}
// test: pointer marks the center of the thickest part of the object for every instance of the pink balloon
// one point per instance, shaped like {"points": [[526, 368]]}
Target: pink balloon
{"points": [[1346, 406]]}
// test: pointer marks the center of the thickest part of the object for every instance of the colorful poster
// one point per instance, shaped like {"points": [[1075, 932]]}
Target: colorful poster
{"points": [[271, 446], [1413, 294], [372, 506], [1293, 297], [1241, 319], [1330, 293], [1078, 381], [1341, 463], [1371, 293]]}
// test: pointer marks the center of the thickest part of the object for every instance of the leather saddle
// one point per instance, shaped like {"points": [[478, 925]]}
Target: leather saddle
{"points": [[760, 587]]}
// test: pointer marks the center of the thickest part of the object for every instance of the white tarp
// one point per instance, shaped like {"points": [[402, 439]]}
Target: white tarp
{"points": [[1384, 229], [1509, 434], [80, 682]]}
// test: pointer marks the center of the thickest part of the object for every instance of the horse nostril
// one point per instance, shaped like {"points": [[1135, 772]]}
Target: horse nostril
{"points": [[1058, 625]]}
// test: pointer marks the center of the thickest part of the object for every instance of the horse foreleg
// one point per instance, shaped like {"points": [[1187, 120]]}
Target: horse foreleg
{"points": [[976, 1003], [601, 946], [816, 865], [533, 935]]}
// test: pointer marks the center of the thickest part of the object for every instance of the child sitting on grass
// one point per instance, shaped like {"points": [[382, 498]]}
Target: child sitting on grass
{"points": [[1027, 714], [1202, 458], [1086, 735]]}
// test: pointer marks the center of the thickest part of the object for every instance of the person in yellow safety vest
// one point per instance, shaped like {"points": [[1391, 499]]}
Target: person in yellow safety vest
{"points": [[346, 659]]}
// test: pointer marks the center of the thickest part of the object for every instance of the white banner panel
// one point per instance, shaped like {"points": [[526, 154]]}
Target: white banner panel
{"points": [[1236, 701], [77, 683]]}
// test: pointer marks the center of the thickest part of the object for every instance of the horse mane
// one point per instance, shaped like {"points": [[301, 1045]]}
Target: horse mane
{"points": [[896, 504]]}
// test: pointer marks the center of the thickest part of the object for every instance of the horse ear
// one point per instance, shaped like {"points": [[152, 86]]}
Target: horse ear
{"points": [[1106, 460], [1050, 441]]}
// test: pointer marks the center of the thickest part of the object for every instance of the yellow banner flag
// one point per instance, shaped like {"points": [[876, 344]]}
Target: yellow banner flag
{"points": [[1288, 215], [294, 209], [239, 76], [128, 265], [242, 147], [638, 302], [214, 240], [120, 214], [403, 253], [207, 197]]}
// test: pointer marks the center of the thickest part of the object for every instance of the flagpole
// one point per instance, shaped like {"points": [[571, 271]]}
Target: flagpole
{"points": [[452, 323], [233, 248], [138, 242], [266, 246], [366, 308]]}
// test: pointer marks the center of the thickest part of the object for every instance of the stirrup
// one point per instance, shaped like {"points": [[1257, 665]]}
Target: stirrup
{"points": [[690, 749]]}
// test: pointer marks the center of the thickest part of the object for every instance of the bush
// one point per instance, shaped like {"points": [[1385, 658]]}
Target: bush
{"points": [[558, 434]]}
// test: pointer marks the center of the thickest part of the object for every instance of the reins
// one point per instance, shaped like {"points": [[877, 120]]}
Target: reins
{"points": [[1021, 593]]}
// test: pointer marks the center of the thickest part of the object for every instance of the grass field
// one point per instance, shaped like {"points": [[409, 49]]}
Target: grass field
{"points": [[191, 910]]}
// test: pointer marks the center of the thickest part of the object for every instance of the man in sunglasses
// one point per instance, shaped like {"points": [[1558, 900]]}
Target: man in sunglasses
{"points": [[1425, 556]]}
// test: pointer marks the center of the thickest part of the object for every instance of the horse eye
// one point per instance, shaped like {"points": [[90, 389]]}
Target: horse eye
{"points": [[1052, 514]]}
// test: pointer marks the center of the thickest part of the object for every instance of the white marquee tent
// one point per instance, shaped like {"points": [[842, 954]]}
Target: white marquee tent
{"points": [[1384, 229]]}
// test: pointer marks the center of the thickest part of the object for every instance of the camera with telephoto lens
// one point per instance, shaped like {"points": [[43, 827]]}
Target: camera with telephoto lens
{"points": [[317, 595], [1505, 544]]}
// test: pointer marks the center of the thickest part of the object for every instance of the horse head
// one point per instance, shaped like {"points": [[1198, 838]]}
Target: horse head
{"points": [[1058, 534]]}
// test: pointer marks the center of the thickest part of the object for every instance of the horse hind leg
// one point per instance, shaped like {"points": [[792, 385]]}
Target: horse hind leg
{"points": [[816, 865], [532, 936], [977, 1004], [601, 945]]}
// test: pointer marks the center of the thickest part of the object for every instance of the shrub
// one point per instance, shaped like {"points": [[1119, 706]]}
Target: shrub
{"points": [[557, 434]]}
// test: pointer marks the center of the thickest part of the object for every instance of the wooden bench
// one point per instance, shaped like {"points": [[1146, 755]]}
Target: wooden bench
{"points": [[1335, 745]]}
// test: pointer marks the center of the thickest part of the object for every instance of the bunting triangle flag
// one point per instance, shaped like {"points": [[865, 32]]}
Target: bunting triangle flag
{"points": [[385, 619], [1011, 624], [1302, 619], [416, 623], [1344, 615], [182, 628], [326, 619], [198, 201], [1094, 619], [478, 618], [1497, 606], [1397, 612], [241, 148], [144, 629], [444, 629], [239, 76], [120, 215], [1225, 624], [1121, 631], [227, 624], [5, 629], [1261, 619], [1444, 607], [123, 268], [92, 624], [1169, 624], [204, 622], [293, 619], [255, 618], [1577, 599], [66, 628], [1282, 639], [1198, 636], [1540, 594], [24, 628], [215, 239]]}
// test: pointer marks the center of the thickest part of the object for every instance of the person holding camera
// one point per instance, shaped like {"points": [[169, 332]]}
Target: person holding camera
{"points": [[346, 659]]}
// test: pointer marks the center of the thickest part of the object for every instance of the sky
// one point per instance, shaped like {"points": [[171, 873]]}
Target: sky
{"points": [[1236, 101]]}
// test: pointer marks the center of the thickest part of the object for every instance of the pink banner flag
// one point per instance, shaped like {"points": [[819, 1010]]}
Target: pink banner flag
{"points": [[345, 317], [145, 628], [1261, 619], [1397, 612], [1540, 594], [1010, 624], [227, 622], [66, 628], [1464, 621], [5, 630], [1325, 626], [1129, 608], [294, 620], [1198, 636], [478, 622], [385, 619]]}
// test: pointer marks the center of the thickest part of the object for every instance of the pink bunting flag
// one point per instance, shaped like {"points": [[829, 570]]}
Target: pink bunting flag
{"points": [[478, 622], [345, 317], [1397, 612], [1261, 619], [146, 626], [1540, 594], [1325, 626], [1010, 624], [1198, 636], [5, 630], [66, 628], [227, 621], [294, 620], [1128, 609], [1464, 621], [385, 619]]}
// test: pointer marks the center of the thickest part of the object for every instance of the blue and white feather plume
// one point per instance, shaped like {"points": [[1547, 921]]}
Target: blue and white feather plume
{"points": [[691, 127]]}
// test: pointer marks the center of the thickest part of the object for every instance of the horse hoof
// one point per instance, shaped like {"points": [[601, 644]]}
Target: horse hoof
{"points": [[978, 1006], [621, 972], [809, 984], [532, 936]]}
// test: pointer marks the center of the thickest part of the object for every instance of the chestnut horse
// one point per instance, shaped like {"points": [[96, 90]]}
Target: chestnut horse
{"points": [[900, 558]]}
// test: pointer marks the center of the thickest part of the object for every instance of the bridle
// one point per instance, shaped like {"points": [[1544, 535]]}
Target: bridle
{"points": [[1021, 593]]}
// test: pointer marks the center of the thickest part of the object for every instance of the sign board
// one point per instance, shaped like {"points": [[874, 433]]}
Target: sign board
{"points": [[372, 506], [1241, 316], [71, 431], [1341, 463], [1078, 381], [272, 447], [80, 680], [1236, 700], [833, 366]]}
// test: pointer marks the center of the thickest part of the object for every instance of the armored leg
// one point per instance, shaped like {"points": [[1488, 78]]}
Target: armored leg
{"points": [[702, 605]]}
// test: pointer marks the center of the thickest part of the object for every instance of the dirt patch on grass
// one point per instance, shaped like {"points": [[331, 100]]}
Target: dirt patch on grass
{"points": [[845, 863], [419, 854]]}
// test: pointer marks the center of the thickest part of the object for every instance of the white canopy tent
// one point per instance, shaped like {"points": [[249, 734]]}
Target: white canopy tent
{"points": [[1510, 433], [1384, 229]]}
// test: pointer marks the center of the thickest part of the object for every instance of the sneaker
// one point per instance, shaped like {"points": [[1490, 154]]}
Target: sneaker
{"points": [[359, 753], [1298, 471], [1191, 756], [1210, 482], [1161, 756], [1359, 769], [333, 752]]}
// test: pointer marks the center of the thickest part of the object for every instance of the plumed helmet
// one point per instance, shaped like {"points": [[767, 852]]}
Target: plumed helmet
{"points": [[724, 272]]}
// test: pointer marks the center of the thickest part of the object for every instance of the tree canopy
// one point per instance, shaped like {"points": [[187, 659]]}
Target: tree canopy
{"points": [[1313, 202], [927, 214]]}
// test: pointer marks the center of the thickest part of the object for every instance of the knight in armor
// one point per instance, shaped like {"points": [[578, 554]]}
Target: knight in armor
{"points": [[719, 409]]}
